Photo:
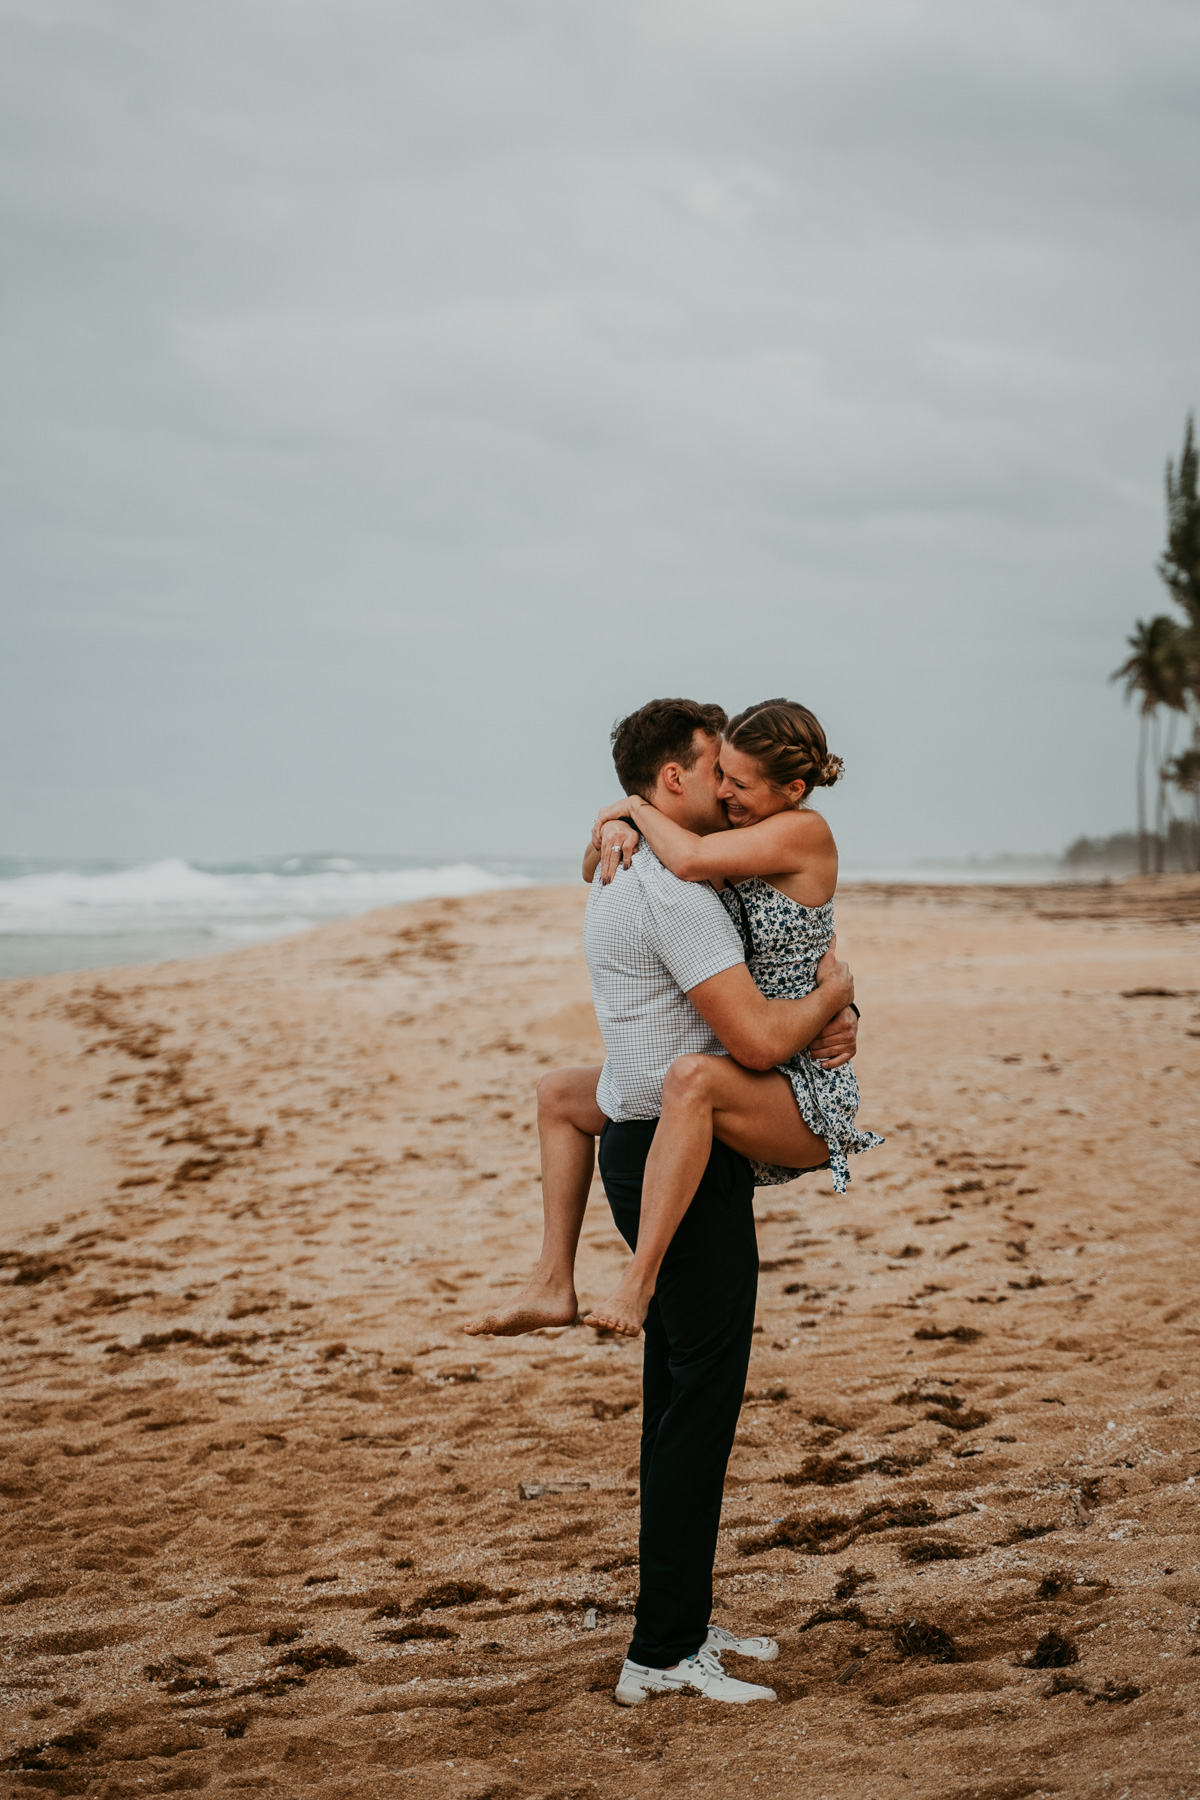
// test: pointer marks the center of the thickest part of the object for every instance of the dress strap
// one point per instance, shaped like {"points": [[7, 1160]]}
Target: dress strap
{"points": [[743, 925]]}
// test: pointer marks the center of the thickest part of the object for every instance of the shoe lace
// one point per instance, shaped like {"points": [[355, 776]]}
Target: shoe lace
{"points": [[708, 1660]]}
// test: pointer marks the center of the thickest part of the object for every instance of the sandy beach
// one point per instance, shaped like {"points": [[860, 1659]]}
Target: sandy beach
{"points": [[272, 1522]]}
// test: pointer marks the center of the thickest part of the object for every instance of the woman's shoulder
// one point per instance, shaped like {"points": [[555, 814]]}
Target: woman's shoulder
{"points": [[813, 824], [804, 835]]}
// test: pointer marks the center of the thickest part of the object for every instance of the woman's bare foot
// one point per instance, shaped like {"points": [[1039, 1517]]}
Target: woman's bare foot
{"points": [[539, 1303], [626, 1311]]}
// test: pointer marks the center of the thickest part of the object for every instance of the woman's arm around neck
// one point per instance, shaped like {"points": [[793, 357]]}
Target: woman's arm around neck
{"points": [[788, 843]]}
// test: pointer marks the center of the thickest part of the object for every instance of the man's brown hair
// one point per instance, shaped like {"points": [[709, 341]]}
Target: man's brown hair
{"points": [[661, 732]]}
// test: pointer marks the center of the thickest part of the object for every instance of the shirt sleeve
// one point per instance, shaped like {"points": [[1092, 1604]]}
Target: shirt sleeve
{"points": [[690, 929]]}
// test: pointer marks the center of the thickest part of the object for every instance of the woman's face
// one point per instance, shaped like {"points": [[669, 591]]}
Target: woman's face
{"points": [[745, 792]]}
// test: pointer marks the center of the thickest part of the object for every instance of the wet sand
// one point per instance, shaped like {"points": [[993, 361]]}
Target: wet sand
{"points": [[272, 1522]]}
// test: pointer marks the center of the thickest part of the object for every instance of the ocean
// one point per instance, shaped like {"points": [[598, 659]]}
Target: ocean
{"points": [[93, 915], [64, 915]]}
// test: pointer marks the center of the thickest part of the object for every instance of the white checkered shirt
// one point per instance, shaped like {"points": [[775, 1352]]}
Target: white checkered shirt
{"points": [[648, 939]]}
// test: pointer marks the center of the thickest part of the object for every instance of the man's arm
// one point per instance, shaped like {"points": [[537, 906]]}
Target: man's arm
{"points": [[759, 1033]]}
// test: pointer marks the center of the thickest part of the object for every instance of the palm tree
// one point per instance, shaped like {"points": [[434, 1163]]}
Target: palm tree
{"points": [[1179, 565], [1157, 671], [1184, 773], [1179, 568], [1163, 667]]}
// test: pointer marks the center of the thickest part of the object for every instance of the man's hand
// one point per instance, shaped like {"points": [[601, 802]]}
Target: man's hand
{"points": [[833, 975], [838, 1042]]}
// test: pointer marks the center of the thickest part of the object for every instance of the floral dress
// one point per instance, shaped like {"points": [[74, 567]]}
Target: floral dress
{"points": [[784, 943]]}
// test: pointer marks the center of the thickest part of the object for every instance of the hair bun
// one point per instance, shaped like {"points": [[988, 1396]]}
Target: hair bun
{"points": [[787, 742]]}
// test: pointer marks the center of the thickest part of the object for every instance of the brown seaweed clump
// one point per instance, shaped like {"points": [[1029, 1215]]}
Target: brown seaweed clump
{"points": [[920, 1637], [1054, 1650], [821, 1533]]}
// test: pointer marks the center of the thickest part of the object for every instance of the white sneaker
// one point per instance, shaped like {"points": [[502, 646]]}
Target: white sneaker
{"points": [[702, 1671], [762, 1649]]}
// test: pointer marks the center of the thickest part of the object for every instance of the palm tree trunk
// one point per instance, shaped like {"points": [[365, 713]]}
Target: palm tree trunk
{"points": [[1143, 846], [1156, 758], [1164, 785]]}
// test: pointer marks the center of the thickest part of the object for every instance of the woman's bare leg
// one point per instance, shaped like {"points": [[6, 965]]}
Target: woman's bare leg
{"points": [[703, 1097], [569, 1122]]}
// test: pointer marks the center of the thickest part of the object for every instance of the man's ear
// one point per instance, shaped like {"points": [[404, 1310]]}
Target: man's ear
{"points": [[671, 776]]}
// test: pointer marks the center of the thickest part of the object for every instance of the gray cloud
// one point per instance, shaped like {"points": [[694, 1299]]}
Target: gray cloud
{"points": [[397, 394]]}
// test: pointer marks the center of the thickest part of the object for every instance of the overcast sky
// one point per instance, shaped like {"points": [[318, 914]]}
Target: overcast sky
{"points": [[395, 394]]}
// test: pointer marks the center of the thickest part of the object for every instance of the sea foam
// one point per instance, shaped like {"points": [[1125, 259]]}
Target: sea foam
{"points": [[227, 901]]}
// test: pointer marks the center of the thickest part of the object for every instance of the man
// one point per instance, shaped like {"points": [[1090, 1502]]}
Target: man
{"points": [[669, 979]]}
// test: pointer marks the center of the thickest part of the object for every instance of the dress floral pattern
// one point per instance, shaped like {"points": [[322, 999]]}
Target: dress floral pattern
{"points": [[784, 943]]}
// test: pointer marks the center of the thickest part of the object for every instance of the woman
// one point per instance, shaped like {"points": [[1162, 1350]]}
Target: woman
{"points": [[776, 870]]}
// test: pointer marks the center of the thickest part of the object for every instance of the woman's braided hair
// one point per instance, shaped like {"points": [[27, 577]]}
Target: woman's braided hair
{"points": [[787, 742]]}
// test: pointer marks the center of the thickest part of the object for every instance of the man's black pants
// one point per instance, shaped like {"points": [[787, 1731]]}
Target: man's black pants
{"points": [[697, 1351]]}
